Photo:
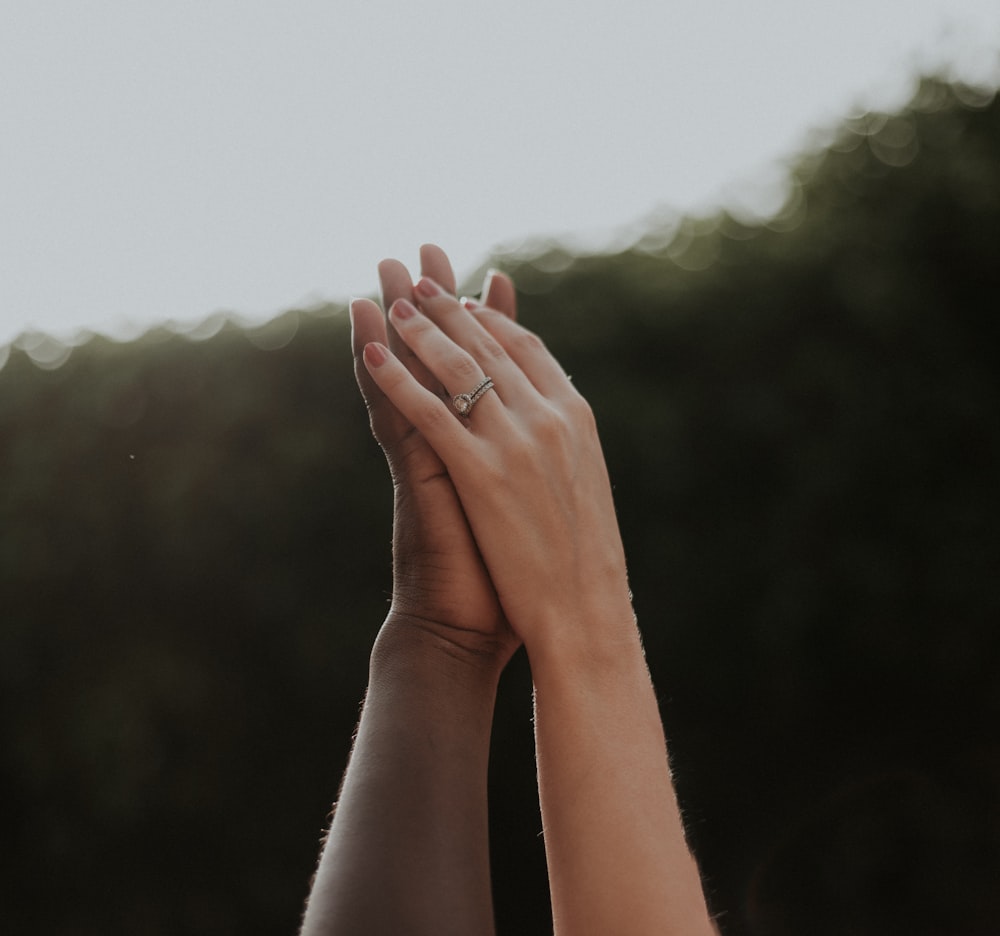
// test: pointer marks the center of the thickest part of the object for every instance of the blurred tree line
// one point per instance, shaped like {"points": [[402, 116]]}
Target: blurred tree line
{"points": [[802, 421]]}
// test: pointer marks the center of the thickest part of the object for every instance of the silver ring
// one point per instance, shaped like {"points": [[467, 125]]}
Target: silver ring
{"points": [[465, 401]]}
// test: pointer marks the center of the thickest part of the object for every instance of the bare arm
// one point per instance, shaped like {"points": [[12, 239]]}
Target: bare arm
{"points": [[407, 852], [529, 472], [618, 860]]}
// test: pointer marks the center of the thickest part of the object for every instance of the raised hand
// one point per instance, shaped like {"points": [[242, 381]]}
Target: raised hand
{"points": [[439, 580], [408, 848], [526, 464]]}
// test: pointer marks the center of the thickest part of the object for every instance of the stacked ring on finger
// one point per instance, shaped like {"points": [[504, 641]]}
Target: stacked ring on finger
{"points": [[464, 402]]}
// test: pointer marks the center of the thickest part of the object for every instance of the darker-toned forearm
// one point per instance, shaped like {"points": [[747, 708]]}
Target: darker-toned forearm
{"points": [[408, 851]]}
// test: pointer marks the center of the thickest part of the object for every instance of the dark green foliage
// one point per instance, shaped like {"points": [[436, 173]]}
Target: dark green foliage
{"points": [[805, 444]]}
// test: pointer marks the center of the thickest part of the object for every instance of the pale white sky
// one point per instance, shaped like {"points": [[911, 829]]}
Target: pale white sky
{"points": [[167, 159]]}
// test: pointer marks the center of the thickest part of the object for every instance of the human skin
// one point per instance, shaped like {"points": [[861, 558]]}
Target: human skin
{"points": [[407, 850], [530, 478]]}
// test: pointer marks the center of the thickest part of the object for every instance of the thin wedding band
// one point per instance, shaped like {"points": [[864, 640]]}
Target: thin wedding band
{"points": [[465, 401]]}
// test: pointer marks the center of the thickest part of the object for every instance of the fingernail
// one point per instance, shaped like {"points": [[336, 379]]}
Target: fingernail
{"points": [[374, 354], [402, 309], [469, 304], [428, 288]]}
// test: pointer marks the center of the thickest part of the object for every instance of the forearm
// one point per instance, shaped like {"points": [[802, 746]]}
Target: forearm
{"points": [[407, 852], [528, 470], [618, 860]]}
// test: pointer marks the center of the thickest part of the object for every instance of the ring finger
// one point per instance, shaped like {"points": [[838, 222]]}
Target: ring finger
{"points": [[461, 374], [465, 330]]}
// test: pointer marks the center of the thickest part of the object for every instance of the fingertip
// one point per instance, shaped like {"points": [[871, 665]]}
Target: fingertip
{"points": [[386, 264], [375, 354], [394, 281], [429, 288], [432, 255], [359, 306], [354, 312], [354, 308], [402, 309], [434, 263], [499, 293]]}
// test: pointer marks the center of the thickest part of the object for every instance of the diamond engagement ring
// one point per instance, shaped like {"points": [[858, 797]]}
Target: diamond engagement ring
{"points": [[465, 401]]}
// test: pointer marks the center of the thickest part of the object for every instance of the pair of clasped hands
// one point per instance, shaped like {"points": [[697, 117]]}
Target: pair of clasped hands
{"points": [[504, 532], [505, 526]]}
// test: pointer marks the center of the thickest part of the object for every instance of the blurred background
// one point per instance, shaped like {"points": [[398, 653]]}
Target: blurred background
{"points": [[797, 389]]}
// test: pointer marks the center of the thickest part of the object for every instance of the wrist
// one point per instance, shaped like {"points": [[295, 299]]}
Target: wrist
{"points": [[597, 649], [413, 640], [610, 662]]}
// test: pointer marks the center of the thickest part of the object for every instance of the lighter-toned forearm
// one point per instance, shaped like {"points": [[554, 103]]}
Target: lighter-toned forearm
{"points": [[618, 859], [407, 852]]}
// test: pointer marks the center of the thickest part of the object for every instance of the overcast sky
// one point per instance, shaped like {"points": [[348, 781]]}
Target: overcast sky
{"points": [[167, 159]]}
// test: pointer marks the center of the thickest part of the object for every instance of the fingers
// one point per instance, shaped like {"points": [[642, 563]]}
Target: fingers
{"points": [[434, 263], [394, 281], [528, 352], [466, 334], [496, 341], [448, 347], [454, 365], [498, 293], [424, 409], [396, 284], [368, 325]]}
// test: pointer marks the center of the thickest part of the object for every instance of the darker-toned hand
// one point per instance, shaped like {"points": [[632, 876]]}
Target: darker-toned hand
{"points": [[439, 580]]}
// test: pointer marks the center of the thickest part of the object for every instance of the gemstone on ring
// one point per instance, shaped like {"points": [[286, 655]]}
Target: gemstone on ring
{"points": [[465, 401]]}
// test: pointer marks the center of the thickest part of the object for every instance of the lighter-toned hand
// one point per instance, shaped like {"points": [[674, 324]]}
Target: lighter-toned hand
{"points": [[439, 581], [526, 463]]}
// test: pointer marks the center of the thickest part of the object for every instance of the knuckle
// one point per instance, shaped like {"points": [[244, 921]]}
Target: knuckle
{"points": [[464, 367], [565, 425], [420, 326], [528, 342], [487, 316], [549, 425], [489, 349], [439, 308], [432, 414], [396, 381], [580, 410]]}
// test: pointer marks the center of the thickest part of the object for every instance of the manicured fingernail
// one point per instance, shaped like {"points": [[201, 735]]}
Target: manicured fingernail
{"points": [[469, 304], [402, 309], [428, 288], [374, 354]]}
